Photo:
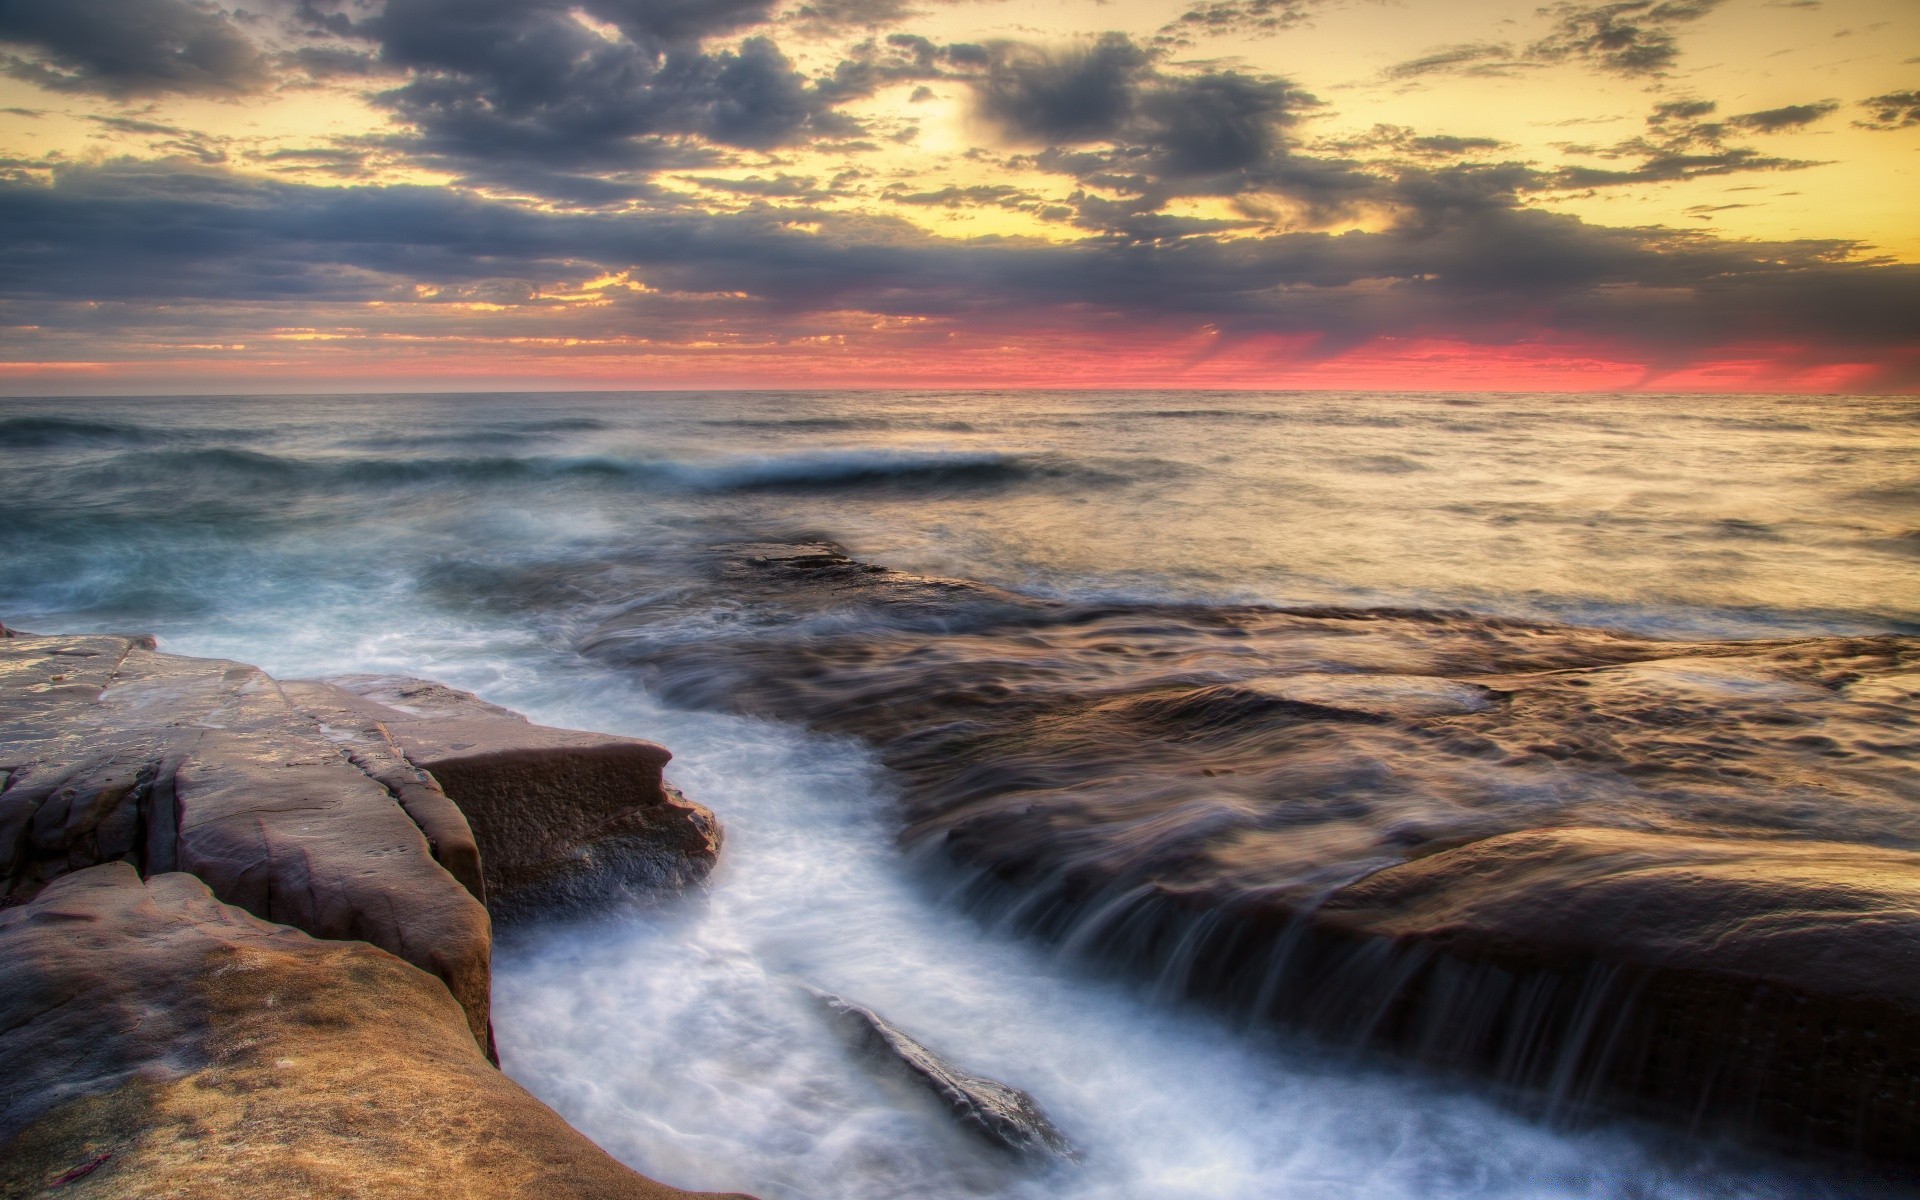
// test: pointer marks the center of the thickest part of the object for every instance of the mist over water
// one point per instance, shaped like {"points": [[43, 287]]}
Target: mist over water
{"points": [[479, 540]]}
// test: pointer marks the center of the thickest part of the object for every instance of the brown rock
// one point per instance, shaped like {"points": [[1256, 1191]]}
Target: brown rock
{"points": [[1767, 983], [163, 1044], [558, 814], [1003, 1116], [1599, 866], [113, 752]]}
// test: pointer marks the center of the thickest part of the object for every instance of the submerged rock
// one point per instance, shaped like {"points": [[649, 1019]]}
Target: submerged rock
{"points": [[1004, 1116], [1579, 860], [161, 1043]]}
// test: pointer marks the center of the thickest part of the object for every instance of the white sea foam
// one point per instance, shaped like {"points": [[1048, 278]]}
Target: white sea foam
{"points": [[682, 1040], [677, 1036]]}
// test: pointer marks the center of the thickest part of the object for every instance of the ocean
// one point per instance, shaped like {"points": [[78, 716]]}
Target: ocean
{"points": [[579, 557]]}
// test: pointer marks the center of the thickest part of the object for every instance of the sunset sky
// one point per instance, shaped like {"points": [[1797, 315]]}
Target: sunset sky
{"points": [[289, 195]]}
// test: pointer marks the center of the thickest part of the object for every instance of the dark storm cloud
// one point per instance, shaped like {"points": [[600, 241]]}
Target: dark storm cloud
{"points": [[1063, 97], [1895, 110], [1113, 117], [323, 63], [826, 16], [128, 48], [549, 96], [1463, 259]]}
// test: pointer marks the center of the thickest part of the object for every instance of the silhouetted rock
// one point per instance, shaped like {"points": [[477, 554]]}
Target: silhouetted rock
{"points": [[160, 1043], [1005, 1116]]}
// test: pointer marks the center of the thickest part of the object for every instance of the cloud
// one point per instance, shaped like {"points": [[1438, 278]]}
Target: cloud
{"points": [[1401, 140], [830, 16], [1791, 116], [785, 187], [130, 48], [130, 242], [1631, 37], [1112, 117], [999, 195], [1235, 18], [1682, 143], [543, 95], [657, 132], [1895, 110], [1063, 97], [1473, 58]]}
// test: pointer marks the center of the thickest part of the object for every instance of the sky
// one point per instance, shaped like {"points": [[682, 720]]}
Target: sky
{"points": [[325, 195]]}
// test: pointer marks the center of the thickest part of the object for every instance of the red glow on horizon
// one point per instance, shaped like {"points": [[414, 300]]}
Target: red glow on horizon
{"points": [[1034, 360]]}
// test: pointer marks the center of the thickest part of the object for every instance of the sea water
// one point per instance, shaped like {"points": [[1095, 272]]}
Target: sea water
{"points": [[479, 539]]}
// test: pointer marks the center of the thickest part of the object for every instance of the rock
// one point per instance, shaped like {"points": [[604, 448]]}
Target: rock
{"points": [[114, 752], [1375, 822], [161, 1043], [323, 808], [559, 815], [1771, 981], [1004, 1116]]}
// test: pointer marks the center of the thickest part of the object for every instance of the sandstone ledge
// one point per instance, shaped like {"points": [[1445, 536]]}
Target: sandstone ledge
{"points": [[167, 1044], [311, 890], [1607, 870]]}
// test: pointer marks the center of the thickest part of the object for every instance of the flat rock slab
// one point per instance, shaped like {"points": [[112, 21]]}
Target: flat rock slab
{"points": [[386, 810], [113, 752], [1682, 876], [163, 1044]]}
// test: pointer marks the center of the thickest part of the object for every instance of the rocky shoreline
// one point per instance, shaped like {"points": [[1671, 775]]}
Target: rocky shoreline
{"points": [[246, 934], [247, 923], [1680, 878]]}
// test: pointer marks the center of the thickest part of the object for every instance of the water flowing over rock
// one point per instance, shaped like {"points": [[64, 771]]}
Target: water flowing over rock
{"points": [[1606, 868], [1004, 1116]]}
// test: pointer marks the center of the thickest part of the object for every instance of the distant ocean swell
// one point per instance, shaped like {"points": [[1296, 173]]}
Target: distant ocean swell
{"points": [[227, 469]]}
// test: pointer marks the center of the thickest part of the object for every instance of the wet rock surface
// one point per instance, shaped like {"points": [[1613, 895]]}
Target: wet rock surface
{"points": [[295, 1001], [162, 1043], [561, 817], [115, 752], [1004, 1116], [1602, 867]]}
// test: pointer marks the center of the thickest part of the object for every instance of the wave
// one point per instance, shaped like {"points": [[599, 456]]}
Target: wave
{"points": [[228, 470], [868, 468], [503, 434], [836, 424], [37, 433]]}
